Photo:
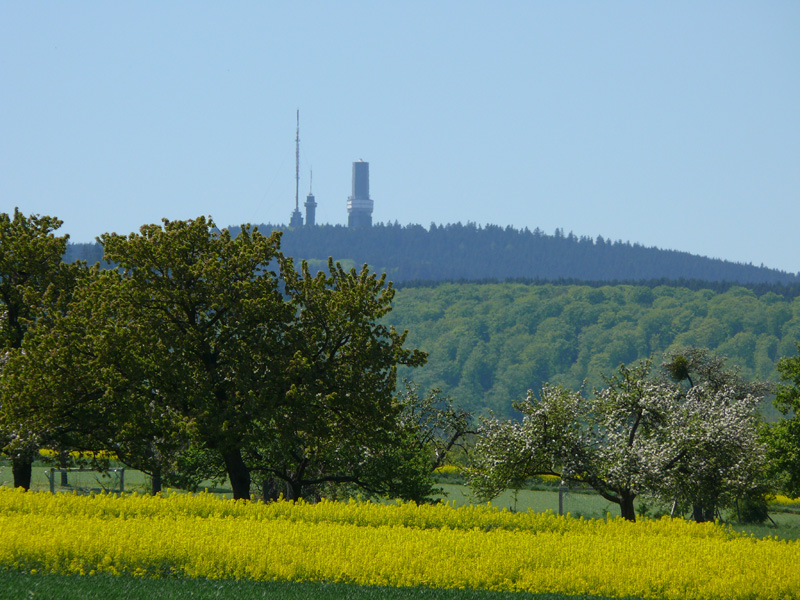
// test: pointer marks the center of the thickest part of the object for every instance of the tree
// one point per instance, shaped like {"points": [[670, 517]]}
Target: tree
{"points": [[637, 435], [438, 428], [784, 436], [215, 323], [340, 424], [615, 442], [83, 381], [183, 344], [31, 279], [199, 345], [725, 460]]}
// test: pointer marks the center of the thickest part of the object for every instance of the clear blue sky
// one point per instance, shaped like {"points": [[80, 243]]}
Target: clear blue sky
{"points": [[672, 124]]}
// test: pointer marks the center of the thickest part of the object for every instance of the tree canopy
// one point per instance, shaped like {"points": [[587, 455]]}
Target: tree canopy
{"points": [[198, 341], [784, 436], [34, 284], [489, 343], [457, 251]]}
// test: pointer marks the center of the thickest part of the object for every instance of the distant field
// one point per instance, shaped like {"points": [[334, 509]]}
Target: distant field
{"points": [[135, 481]]}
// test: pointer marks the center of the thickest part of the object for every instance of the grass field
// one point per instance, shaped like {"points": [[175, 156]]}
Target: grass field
{"points": [[135, 481], [16, 586]]}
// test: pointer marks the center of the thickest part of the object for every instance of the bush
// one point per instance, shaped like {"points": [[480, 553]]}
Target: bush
{"points": [[753, 509]]}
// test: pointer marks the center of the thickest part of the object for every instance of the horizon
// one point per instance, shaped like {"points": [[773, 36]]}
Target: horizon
{"points": [[479, 226], [672, 125]]}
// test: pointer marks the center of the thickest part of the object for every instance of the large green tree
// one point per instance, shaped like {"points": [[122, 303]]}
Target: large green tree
{"points": [[340, 420], [784, 436], [183, 343], [32, 279], [84, 381], [200, 344], [215, 323]]}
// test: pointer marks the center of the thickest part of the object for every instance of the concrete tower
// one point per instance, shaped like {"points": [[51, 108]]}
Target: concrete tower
{"points": [[311, 204], [359, 205]]}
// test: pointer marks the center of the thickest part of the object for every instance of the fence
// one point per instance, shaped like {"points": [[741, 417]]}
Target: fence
{"points": [[80, 487]]}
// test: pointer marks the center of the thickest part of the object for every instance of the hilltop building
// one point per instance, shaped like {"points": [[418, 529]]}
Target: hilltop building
{"points": [[311, 205], [359, 204], [297, 219]]}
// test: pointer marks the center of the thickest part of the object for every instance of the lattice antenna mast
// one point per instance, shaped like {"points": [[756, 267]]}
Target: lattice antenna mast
{"points": [[297, 165]]}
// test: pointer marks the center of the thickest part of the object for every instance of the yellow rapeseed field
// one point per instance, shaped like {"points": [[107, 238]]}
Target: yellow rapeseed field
{"points": [[784, 500], [396, 545]]}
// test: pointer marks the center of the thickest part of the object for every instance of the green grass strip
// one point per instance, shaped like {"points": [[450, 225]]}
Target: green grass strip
{"points": [[21, 586]]}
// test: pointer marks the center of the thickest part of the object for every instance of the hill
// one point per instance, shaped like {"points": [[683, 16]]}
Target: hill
{"points": [[470, 252], [489, 343]]}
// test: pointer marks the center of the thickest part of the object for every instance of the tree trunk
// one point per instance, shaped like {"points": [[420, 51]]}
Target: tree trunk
{"points": [[697, 513], [294, 490], [626, 508], [156, 482], [271, 489], [22, 469], [238, 473], [702, 513]]}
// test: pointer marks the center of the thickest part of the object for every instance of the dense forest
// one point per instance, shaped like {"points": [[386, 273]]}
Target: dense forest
{"points": [[489, 343], [470, 252]]}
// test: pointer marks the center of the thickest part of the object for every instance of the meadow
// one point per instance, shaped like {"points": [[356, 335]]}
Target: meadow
{"points": [[75, 587], [366, 546]]}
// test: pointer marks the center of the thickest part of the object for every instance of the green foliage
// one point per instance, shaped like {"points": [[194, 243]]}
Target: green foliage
{"points": [[339, 424], [457, 252], [194, 465], [489, 344], [30, 262], [753, 509], [34, 287], [784, 436], [201, 351]]}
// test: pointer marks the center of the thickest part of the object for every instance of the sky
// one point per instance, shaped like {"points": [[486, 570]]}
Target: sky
{"points": [[669, 124]]}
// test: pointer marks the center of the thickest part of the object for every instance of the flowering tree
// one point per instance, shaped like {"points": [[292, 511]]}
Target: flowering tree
{"points": [[725, 459], [722, 458], [615, 441], [637, 435]]}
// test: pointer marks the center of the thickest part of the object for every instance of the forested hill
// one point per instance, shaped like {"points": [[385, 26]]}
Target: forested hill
{"points": [[470, 252], [488, 344]]}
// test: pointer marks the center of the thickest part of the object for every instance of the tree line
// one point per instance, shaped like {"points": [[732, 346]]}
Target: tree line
{"points": [[470, 252]]}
